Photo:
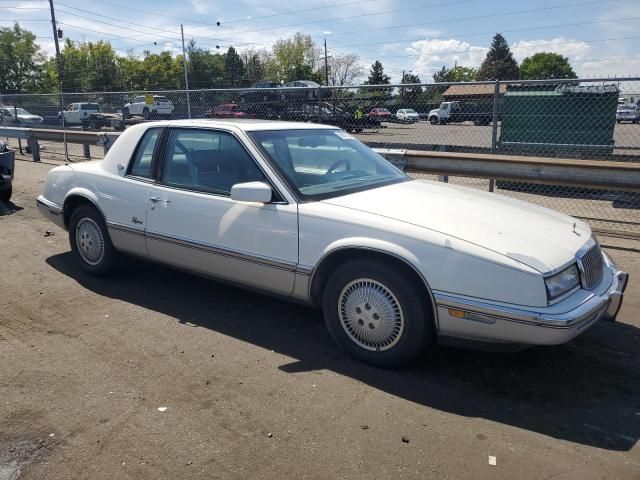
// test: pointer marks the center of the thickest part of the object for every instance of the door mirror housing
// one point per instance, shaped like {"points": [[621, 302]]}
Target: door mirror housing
{"points": [[256, 192]]}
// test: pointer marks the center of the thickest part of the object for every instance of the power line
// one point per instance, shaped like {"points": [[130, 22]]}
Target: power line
{"points": [[515, 30], [340, 19], [480, 17]]}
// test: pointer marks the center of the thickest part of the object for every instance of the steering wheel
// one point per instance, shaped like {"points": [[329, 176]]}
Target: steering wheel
{"points": [[343, 161]]}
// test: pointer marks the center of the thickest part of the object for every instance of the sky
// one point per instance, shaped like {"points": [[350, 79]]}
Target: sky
{"points": [[600, 37]]}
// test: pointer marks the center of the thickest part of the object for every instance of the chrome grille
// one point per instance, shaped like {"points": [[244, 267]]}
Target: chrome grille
{"points": [[591, 266]]}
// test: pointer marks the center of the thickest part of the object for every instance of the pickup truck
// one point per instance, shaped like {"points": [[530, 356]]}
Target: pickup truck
{"points": [[459, 112]]}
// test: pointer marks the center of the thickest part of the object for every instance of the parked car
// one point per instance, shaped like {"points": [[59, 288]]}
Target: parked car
{"points": [[308, 212], [148, 106], [407, 115], [628, 113], [227, 110], [380, 113], [303, 90], [459, 112], [87, 114], [15, 116], [7, 167], [261, 92]]}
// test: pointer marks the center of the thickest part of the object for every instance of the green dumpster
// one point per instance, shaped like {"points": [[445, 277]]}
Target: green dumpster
{"points": [[559, 120]]}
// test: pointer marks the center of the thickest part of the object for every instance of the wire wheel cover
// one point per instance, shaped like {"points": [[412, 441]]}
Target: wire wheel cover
{"points": [[370, 314], [89, 241]]}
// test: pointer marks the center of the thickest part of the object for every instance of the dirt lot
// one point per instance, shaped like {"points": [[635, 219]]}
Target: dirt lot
{"points": [[254, 387]]}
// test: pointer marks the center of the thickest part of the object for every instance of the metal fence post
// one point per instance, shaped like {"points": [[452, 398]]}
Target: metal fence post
{"points": [[318, 97], [35, 148], [494, 126]]}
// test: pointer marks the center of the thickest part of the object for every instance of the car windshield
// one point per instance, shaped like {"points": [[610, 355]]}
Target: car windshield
{"points": [[325, 163]]}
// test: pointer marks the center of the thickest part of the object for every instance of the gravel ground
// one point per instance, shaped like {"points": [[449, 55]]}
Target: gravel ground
{"points": [[254, 387]]}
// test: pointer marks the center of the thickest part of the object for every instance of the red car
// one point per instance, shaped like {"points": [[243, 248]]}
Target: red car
{"points": [[227, 110], [380, 113]]}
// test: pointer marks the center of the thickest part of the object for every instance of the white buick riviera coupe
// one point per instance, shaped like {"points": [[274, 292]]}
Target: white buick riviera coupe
{"points": [[308, 212]]}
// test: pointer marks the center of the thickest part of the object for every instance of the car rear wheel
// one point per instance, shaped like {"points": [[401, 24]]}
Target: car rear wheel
{"points": [[376, 314], [90, 241]]}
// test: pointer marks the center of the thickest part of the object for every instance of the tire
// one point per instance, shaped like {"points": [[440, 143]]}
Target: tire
{"points": [[387, 289], [125, 113], [5, 195], [87, 231], [433, 120], [145, 114]]}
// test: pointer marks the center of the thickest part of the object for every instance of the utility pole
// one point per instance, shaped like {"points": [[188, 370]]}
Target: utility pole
{"points": [[54, 26], [326, 64], [186, 75]]}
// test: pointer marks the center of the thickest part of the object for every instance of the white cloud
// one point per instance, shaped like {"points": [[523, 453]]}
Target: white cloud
{"points": [[573, 49], [432, 54], [199, 6], [610, 66]]}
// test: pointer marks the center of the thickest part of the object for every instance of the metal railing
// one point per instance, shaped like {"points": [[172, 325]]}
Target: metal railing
{"points": [[578, 119]]}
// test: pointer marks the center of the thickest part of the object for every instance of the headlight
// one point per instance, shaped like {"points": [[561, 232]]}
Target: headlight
{"points": [[562, 282]]}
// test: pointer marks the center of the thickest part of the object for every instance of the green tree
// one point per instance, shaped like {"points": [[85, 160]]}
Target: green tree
{"points": [[410, 93], [377, 75], [206, 69], [545, 65], [20, 60], [254, 66], [233, 68], [295, 58], [499, 63], [455, 74]]}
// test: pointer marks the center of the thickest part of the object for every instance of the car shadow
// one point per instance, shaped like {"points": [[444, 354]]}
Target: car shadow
{"points": [[585, 392], [8, 208]]}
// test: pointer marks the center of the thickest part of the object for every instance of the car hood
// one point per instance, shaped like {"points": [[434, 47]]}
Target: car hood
{"points": [[535, 236]]}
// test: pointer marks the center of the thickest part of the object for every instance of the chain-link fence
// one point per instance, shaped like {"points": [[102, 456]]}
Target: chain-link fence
{"points": [[581, 119]]}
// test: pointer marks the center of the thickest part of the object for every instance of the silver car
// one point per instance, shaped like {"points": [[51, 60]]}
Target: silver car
{"points": [[18, 117]]}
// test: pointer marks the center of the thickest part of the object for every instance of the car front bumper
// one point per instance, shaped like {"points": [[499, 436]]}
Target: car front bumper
{"points": [[484, 321]]}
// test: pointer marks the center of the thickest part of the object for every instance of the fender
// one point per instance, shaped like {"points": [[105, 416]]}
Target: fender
{"points": [[85, 193], [378, 246]]}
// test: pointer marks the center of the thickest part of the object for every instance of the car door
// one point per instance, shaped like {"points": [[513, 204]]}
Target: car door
{"points": [[71, 114], [123, 199], [193, 223]]}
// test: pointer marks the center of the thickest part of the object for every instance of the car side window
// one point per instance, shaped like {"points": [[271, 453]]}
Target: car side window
{"points": [[142, 161], [207, 161]]}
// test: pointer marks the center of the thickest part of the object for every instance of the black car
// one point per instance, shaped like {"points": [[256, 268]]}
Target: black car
{"points": [[7, 161], [303, 90], [261, 92]]}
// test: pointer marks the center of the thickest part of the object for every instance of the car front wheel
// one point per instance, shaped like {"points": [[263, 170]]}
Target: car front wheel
{"points": [[376, 314], [90, 241]]}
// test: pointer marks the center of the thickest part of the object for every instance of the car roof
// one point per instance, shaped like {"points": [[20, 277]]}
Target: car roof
{"points": [[245, 124]]}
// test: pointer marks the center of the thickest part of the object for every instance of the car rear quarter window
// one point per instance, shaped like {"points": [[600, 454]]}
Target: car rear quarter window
{"points": [[142, 162]]}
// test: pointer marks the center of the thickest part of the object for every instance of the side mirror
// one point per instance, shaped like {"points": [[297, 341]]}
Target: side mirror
{"points": [[256, 192]]}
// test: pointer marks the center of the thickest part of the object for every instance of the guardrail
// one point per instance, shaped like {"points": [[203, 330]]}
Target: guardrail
{"points": [[555, 182], [34, 135]]}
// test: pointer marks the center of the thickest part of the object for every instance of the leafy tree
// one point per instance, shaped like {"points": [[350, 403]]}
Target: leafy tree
{"points": [[20, 60], [254, 66], [233, 68], [377, 75], [545, 65], [295, 58], [499, 63], [206, 69], [410, 93], [455, 74]]}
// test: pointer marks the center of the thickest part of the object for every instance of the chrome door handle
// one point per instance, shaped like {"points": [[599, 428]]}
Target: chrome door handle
{"points": [[156, 200]]}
